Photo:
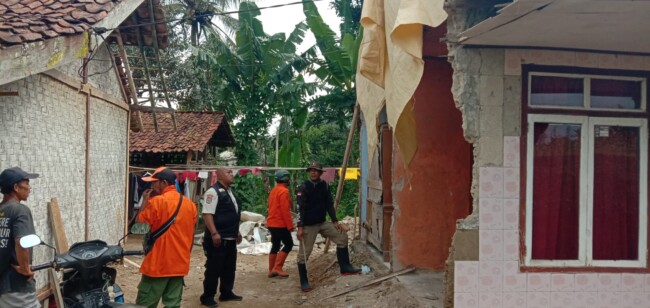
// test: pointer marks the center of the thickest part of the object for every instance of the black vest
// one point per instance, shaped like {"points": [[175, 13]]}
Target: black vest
{"points": [[226, 218]]}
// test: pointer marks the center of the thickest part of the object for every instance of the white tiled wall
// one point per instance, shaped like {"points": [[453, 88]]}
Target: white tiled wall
{"points": [[495, 280]]}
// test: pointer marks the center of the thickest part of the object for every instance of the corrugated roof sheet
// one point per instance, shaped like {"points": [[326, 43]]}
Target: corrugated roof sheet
{"points": [[194, 131]]}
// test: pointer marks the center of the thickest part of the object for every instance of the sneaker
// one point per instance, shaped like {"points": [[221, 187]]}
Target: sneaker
{"points": [[209, 302], [230, 297]]}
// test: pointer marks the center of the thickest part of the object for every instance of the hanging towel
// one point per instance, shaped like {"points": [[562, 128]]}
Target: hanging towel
{"points": [[350, 173], [329, 174]]}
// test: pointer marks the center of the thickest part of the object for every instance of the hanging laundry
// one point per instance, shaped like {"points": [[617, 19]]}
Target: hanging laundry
{"points": [[187, 175], [203, 174], [329, 174], [350, 173], [256, 170], [214, 178], [244, 171]]}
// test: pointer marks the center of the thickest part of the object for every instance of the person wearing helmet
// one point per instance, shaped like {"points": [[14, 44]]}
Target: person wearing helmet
{"points": [[280, 224], [314, 203]]}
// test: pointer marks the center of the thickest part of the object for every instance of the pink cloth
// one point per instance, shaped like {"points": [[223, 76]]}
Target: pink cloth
{"points": [[329, 174], [244, 171], [187, 175], [214, 178]]}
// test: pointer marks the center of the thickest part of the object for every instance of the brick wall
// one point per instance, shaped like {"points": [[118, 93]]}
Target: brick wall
{"points": [[42, 130]]}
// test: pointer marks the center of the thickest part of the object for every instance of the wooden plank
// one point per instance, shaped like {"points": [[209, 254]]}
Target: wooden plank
{"points": [[55, 285], [370, 282], [77, 85], [375, 184], [58, 228], [131, 262]]}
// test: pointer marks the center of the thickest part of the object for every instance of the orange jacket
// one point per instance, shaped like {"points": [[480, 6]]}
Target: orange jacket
{"points": [[279, 208], [170, 256]]}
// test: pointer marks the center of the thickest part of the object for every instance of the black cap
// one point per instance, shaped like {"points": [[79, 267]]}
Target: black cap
{"points": [[161, 173], [315, 166], [14, 175]]}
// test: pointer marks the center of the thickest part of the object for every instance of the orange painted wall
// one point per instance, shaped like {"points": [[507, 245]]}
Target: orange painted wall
{"points": [[436, 187]]}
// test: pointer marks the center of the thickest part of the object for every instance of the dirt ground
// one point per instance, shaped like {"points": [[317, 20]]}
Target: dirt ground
{"points": [[260, 291]]}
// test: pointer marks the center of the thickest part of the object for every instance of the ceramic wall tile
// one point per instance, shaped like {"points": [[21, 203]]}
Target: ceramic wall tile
{"points": [[609, 300], [609, 282], [491, 182], [585, 282], [491, 214], [465, 300], [491, 245], [539, 282], [513, 299], [466, 276], [562, 282], [511, 156], [537, 299], [561, 299], [511, 245], [632, 282], [513, 280], [490, 276], [489, 300], [511, 182], [511, 214], [585, 299]]}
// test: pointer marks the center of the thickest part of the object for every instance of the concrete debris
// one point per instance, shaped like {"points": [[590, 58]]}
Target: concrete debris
{"points": [[250, 216]]}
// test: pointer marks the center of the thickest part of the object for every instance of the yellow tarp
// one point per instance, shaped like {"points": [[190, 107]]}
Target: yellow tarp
{"points": [[351, 173], [393, 67]]}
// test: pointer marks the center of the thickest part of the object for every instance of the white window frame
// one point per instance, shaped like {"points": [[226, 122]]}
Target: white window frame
{"points": [[585, 227], [586, 88]]}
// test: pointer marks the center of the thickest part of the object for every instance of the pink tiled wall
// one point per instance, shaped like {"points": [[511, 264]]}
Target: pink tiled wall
{"points": [[495, 280]]}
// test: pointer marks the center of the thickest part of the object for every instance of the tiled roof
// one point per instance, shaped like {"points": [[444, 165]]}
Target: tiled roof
{"points": [[194, 131], [25, 21]]}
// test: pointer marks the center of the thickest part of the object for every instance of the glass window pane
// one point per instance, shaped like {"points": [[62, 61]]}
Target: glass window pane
{"points": [[557, 91], [556, 191], [616, 193], [615, 94]]}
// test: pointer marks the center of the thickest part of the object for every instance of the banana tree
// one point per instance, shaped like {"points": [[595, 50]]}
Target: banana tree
{"points": [[337, 68]]}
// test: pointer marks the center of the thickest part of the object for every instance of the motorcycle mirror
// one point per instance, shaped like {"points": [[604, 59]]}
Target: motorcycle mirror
{"points": [[140, 228], [29, 241]]}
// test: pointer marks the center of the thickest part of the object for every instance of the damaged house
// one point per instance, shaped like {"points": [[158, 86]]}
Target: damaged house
{"points": [[517, 160], [64, 107]]}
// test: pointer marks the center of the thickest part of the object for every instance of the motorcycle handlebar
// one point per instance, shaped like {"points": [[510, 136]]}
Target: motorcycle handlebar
{"points": [[133, 253], [41, 266]]}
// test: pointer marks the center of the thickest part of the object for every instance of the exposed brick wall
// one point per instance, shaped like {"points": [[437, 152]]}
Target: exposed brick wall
{"points": [[42, 130]]}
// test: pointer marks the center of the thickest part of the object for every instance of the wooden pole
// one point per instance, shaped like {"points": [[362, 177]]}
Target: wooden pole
{"points": [[370, 282], [146, 72], [344, 167], [157, 53]]}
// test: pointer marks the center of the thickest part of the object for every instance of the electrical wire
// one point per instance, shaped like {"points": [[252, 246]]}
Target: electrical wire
{"points": [[102, 29]]}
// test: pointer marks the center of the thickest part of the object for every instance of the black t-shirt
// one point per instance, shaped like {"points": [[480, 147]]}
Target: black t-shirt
{"points": [[15, 221]]}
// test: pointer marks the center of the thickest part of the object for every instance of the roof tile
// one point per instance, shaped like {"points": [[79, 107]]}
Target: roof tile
{"points": [[52, 18], [194, 131]]}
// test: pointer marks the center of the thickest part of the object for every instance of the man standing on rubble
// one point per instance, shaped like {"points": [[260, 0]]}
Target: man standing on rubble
{"points": [[17, 286], [222, 214], [314, 201], [280, 224]]}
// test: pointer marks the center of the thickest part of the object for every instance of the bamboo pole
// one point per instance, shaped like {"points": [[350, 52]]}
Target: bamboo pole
{"points": [[344, 167]]}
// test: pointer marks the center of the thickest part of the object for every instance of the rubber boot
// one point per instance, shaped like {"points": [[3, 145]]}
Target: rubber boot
{"points": [[272, 258], [304, 282], [279, 263], [343, 255]]}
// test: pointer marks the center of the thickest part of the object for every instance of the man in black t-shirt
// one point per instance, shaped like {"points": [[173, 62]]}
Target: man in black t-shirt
{"points": [[17, 287]]}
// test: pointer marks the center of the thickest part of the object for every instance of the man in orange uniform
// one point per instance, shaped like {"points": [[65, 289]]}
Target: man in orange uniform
{"points": [[280, 224], [168, 262]]}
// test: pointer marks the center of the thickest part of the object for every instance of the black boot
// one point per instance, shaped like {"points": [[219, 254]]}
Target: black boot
{"points": [[343, 255], [304, 282]]}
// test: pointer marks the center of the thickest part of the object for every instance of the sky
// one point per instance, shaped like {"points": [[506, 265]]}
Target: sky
{"points": [[284, 19]]}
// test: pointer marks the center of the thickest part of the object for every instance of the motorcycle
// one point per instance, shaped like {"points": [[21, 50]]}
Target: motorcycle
{"points": [[88, 280]]}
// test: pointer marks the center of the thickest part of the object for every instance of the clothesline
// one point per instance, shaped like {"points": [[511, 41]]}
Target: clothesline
{"points": [[329, 173], [194, 168]]}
